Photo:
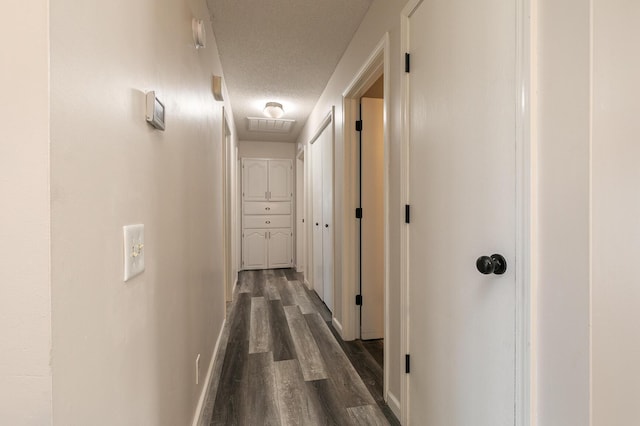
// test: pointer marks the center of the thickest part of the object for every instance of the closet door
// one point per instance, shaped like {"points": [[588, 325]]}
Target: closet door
{"points": [[280, 180], [316, 207], [280, 248], [254, 249], [327, 216], [255, 177]]}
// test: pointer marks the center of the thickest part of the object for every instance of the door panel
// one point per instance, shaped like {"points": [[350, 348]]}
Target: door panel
{"points": [[254, 249], [462, 194], [280, 180], [327, 216], [280, 248], [372, 248], [316, 189], [254, 180]]}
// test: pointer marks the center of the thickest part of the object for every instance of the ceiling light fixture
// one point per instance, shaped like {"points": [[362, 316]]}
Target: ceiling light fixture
{"points": [[273, 110]]}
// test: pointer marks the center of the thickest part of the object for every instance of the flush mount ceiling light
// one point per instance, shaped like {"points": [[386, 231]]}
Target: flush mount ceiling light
{"points": [[273, 110]]}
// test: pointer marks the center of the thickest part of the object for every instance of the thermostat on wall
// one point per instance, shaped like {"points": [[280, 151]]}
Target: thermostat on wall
{"points": [[155, 111]]}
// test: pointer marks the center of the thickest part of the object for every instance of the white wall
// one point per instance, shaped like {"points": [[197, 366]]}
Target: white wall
{"points": [[383, 16], [124, 353], [259, 149], [25, 300], [615, 177], [562, 315]]}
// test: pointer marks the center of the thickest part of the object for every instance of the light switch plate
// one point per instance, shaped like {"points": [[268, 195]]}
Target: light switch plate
{"points": [[133, 251]]}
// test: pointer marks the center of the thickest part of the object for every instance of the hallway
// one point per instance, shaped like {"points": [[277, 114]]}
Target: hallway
{"points": [[282, 363]]}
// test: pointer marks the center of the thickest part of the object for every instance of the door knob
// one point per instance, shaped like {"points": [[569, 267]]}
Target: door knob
{"points": [[316, 223], [494, 264], [326, 225]]}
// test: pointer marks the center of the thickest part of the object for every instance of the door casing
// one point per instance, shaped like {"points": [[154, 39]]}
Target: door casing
{"points": [[377, 64]]}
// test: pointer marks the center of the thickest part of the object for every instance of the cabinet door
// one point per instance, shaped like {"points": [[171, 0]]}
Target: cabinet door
{"points": [[254, 249], [280, 180], [255, 176], [280, 248]]}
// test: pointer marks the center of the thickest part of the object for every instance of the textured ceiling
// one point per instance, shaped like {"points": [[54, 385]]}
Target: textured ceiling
{"points": [[282, 51]]}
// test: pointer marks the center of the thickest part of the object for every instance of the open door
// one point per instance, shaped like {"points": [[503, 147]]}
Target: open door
{"points": [[372, 221], [462, 197]]}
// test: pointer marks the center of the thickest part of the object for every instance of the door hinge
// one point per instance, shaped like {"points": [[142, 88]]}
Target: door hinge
{"points": [[358, 300], [359, 213], [407, 62], [358, 125], [407, 213], [407, 363]]}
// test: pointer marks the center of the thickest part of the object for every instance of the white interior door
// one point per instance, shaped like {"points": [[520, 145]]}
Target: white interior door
{"points": [[462, 194], [372, 248], [326, 146], [316, 189]]}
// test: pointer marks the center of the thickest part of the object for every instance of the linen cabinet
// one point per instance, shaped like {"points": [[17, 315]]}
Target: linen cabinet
{"points": [[267, 217]]}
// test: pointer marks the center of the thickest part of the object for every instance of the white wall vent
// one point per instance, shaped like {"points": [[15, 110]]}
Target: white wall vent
{"points": [[273, 125]]}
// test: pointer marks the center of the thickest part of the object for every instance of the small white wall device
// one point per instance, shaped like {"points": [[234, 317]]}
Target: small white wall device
{"points": [[155, 111]]}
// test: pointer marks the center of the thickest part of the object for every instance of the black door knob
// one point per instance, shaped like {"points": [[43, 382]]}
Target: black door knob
{"points": [[494, 264], [317, 223], [326, 225]]}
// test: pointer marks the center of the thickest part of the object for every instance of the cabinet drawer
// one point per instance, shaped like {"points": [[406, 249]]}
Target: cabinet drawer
{"points": [[268, 208], [283, 221]]}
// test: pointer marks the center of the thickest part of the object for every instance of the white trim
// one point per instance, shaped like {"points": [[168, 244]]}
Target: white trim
{"points": [[323, 125], [525, 197], [394, 404], [338, 326], [204, 394], [404, 199], [524, 392]]}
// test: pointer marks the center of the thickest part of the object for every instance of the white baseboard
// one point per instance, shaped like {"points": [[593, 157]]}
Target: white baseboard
{"points": [[306, 283], [394, 404], [337, 326], [207, 381], [299, 269]]}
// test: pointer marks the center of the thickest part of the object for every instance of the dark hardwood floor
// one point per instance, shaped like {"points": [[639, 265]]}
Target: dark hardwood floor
{"points": [[281, 362]]}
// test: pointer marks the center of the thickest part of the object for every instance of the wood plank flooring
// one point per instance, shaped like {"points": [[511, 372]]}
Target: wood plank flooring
{"points": [[282, 365]]}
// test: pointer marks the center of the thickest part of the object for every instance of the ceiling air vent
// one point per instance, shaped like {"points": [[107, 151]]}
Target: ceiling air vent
{"points": [[273, 125]]}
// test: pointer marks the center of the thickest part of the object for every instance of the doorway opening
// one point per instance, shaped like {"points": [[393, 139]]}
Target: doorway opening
{"points": [[365, 239]]}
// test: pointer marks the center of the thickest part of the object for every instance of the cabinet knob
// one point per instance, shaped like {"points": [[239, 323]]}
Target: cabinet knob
{"points": [[268, 221]]}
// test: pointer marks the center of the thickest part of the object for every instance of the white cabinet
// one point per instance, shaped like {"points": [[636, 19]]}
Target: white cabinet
{"points": [[267, 180], [280, 178], [255, 249], [255, 176], [280, 248], [267, 248], [267, 224]]}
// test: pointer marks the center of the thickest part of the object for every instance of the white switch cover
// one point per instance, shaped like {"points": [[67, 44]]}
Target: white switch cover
{"points": [[133, 251]]}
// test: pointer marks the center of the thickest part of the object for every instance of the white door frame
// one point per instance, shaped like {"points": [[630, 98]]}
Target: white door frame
{"points": [[300, 215], [377, 64], [228, 198], [525, 215]]}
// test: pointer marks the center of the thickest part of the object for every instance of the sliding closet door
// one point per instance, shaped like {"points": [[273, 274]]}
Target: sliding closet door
{"points": [[327, 215], [317, 223]]}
